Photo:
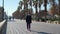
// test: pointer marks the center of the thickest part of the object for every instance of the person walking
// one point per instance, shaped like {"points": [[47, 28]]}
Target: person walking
{"points": [[28, 21]]}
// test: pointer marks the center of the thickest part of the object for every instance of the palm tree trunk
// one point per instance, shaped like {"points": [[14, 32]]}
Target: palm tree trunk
{"points": [[45, 5], [36, 8], [53, 5], [36, 11], [59, 7], [24, 5], [39, 7], [45, 11], [31, 4]]}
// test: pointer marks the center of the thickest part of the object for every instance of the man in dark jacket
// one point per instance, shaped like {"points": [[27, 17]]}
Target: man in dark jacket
{"points": [[28, 21]]}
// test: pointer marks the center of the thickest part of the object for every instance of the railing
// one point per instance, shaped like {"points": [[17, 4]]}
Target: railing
{"points": [[3, 26]]}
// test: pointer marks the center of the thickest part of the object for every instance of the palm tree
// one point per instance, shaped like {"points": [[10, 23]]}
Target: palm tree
{"points": [[59, 7], [53, 3], [39, 3], [45, 5], [21, 4], [35, 4], [30, 4], [17, 12], [25, 4], [53, 10], [53, 6]]}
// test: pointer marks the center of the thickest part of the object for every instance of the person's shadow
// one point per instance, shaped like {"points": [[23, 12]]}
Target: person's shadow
{"points": [[43, 33], [40, 32]]}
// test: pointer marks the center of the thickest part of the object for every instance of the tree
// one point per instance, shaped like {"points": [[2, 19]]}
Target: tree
{"points": [[35, 4], [59, 7], [45, 5], [40, 2], [21, 4], [53, 10], [52, 2], [17, 13], [54, 6], [30, 2], [25, 4]]}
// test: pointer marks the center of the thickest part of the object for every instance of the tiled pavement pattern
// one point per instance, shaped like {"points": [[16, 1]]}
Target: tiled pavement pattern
{"points": [[19, 27]]}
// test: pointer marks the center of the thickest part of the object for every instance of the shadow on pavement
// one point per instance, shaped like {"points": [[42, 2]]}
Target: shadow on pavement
{"points": [[4, 28], [40, 32], [43, 33]]}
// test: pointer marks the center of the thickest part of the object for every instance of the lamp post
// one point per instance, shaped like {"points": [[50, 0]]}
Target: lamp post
{"points": [[3, 3], [3, 10]]}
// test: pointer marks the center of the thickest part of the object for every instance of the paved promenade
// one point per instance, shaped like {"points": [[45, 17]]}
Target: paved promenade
{"points": [[19, 27]]}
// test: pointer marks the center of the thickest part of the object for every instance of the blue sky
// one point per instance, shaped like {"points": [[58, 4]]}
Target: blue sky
{"points": [[11, 6], [0, 3]]}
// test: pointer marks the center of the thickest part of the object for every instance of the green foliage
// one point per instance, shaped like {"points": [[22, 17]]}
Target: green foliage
{"points": [[44, 19], [55, 19]]}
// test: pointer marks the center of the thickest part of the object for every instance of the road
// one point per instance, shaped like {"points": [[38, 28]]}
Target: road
{"points": [[19, 27]]}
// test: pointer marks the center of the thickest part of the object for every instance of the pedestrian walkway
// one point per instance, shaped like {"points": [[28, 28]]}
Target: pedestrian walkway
{"points": [[19, 27]]}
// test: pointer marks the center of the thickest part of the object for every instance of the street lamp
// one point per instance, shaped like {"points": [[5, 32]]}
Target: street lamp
{"points": [[3, 3], [3, 10]]}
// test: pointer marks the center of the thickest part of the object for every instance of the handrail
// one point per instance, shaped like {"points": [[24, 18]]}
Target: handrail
{"points": [[2, 23]]}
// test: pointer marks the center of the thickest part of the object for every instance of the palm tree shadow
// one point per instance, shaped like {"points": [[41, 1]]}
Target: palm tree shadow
{"points": [[40, 32]]}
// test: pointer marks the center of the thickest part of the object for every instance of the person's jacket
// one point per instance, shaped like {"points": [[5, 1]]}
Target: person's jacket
{"points": [[28, 18]]}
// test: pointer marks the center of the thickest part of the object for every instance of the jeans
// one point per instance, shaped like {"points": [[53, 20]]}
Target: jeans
{"points": [[28, 26]]}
